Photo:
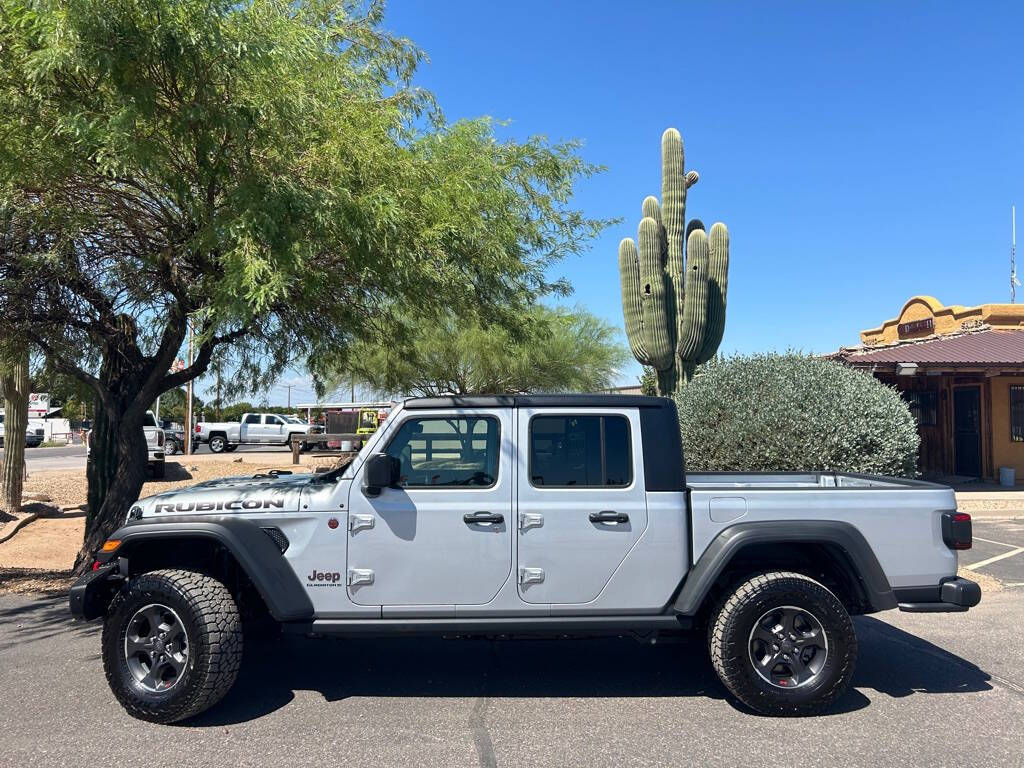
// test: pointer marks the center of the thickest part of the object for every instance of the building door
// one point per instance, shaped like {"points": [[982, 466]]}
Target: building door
{"points": [[967, 431]]}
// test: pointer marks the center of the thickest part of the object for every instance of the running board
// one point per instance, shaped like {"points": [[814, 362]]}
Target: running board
{"points": [[530, 625]]}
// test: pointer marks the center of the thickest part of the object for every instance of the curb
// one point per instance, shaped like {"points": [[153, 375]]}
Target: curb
{"points": [[18, 526]]}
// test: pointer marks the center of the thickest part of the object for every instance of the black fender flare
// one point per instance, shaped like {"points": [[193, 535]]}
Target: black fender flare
{"points": [[256, 553], [729, 542]]}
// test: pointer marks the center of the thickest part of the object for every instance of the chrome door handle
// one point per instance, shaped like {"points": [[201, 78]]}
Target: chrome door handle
{"points": [[608, 516], [473, 518]]}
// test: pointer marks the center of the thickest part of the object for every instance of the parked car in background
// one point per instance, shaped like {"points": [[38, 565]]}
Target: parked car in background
{"points": [[253, 429], [174, 441], [33, 436], [154, 445]]}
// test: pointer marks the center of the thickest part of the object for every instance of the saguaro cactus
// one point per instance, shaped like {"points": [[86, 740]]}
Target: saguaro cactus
{"points": [[674, 285]]}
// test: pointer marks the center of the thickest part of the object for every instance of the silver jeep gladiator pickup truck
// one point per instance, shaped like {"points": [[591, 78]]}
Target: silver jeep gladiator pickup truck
{"points": [[507, 515]]}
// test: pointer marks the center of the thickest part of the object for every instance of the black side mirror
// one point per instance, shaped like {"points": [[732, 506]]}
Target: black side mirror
{"points": [[382, 471]]}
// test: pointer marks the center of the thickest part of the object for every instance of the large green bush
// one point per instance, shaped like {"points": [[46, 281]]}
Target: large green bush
{"points": [[792, 412]]}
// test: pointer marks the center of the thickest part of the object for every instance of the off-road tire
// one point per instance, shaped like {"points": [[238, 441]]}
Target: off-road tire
{"points": [[210, 618], [171, 447], [218, 443], [729, 643]]}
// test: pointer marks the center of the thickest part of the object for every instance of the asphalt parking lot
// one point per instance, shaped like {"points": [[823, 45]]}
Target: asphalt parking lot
{"points": [[998, 551], [929, 689]]}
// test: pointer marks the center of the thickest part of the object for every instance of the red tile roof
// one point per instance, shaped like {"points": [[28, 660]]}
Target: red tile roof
{"points": [[970, 349]]}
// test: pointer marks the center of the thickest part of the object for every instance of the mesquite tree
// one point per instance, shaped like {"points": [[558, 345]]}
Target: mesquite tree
{"points": [[560, 350], [262, 170], [674, 286]]}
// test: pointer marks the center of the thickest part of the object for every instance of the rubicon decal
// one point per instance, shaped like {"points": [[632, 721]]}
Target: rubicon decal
{"points": [[234, 505]]}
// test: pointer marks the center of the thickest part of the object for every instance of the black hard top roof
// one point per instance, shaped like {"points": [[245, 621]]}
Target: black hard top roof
{"points": [[539, 401]]}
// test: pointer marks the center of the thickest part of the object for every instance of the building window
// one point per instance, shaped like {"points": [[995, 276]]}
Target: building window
{"points": [[923, 405], [580, 452], [1017, 414]]}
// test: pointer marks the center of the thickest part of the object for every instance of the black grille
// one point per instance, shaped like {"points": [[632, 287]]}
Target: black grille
{"points": [[278, 537]]}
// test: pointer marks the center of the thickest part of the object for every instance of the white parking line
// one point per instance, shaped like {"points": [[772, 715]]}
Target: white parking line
{"points": [[1000, 543], [976, 566]]}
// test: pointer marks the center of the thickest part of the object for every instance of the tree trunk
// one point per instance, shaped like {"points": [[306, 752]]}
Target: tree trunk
{"points": [[116, 468], [14, 381], [116, 471]]}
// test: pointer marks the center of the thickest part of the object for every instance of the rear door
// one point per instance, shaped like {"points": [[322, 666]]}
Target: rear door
{"points": [[250, 430], [581, 504], [443, 537]]}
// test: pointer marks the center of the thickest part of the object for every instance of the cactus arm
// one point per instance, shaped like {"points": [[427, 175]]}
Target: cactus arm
{"points": [[657, 331], [629, 274], [718, 283], [695, 309]]}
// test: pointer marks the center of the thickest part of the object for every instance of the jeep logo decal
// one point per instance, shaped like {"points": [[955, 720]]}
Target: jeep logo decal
{"points": [[235, 505], [323, 578]]}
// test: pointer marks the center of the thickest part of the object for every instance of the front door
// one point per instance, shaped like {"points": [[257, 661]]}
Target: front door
{"points": [[967, 431], [582, 504], [443, 536], [273, 429]]}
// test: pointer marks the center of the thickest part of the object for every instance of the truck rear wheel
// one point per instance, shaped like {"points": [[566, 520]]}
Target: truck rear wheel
{"points": [[218, 443], [783, 644], [172, 645]]}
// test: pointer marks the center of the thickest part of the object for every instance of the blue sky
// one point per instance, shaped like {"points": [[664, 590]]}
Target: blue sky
{"points": [[860, 152]]}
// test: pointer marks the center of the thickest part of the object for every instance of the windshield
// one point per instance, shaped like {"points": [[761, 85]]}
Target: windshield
{"points": [[148, 420], [294, 420]]}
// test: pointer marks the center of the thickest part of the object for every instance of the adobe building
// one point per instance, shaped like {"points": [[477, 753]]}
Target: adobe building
{"points": [[961, 369]]}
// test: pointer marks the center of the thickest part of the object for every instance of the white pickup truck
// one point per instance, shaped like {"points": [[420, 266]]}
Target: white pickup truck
{"points": [[254, 429], [565, 515]]}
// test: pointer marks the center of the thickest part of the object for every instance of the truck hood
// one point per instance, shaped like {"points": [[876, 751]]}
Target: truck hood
{"points": [[227, 495]]}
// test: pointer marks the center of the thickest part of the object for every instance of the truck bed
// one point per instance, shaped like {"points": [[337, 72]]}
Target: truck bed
{"points": [[899, 517]]}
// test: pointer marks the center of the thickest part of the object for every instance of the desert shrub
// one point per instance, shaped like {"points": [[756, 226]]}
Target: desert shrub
{"points": [[791, 412]]}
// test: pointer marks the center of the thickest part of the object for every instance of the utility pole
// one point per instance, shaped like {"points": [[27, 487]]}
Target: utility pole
{"points": [[1014, 282], [217, 370], [289, 394], [188, 399]]}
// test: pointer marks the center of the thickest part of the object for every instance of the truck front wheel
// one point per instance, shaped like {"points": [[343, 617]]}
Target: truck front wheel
{"points": [[783, 644], [172, 645]]}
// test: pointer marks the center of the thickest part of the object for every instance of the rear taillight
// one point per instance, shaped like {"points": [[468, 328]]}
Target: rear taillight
{"points": [[198, 430], [956, 530]]}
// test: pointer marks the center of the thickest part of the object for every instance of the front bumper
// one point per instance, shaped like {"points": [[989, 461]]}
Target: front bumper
{"points": [[952, 595], [93, 591]]}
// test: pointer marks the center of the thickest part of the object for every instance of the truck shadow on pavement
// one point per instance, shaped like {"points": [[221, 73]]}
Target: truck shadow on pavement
{"points": [[41, 619], [892, 662]]}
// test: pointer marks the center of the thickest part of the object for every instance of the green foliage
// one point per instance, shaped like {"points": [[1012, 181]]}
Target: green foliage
{"points": [[559, 351], [794, 413], [673, 299], [649, 381], [264, 168]]}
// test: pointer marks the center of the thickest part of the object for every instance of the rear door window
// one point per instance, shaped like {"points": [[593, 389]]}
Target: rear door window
{"points": [[585, 451]]}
